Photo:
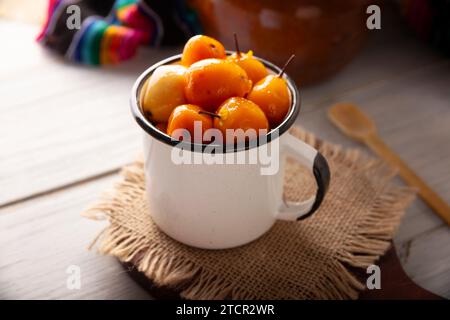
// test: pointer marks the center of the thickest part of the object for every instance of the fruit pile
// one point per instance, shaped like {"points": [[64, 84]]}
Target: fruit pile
{"points": [[219, 91]]}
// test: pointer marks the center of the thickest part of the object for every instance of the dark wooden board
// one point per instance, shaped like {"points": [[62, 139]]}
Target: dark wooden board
{"points": [[395, 284]]}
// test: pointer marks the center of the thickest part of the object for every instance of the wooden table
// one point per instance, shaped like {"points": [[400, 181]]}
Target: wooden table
{"points": [[66, 130]]}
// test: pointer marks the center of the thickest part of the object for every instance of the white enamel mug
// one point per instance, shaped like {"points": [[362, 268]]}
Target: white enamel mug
{"points": [[218, 206]]}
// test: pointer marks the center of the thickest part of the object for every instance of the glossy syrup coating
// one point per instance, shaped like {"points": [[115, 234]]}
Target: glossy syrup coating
{"points": [[163, 91], [210, 82], [202, 47], [162, 126], [240, 113], [272, 95], [184, 117], [253, 67]]}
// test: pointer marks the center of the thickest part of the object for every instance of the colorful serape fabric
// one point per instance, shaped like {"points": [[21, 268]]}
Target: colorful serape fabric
{"points": [[111, 31]]}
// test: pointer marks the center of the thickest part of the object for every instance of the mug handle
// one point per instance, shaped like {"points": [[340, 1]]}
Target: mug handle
{"points": [[318, 165]]}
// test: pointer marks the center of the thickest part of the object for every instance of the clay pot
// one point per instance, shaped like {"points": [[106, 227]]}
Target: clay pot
{"points": [[324, 35]]}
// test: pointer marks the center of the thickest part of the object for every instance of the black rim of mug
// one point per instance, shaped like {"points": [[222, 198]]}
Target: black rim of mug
{"points": [[151, 129]]}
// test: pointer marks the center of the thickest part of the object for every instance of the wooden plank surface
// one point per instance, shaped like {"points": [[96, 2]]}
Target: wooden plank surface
{"points": [[55, 116], [41, 238], [413, 116], [426, 259], [59, 122], [68, 128]]}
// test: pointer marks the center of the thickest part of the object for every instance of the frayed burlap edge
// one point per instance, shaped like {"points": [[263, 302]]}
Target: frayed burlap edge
{"points": [[367, 241]]}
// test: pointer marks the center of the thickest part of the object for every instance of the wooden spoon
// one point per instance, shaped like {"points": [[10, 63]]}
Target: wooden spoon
{"points": [[357, 125]]}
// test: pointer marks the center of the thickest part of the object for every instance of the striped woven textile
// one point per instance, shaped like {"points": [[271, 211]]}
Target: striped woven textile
{"points": [[111, 31]]}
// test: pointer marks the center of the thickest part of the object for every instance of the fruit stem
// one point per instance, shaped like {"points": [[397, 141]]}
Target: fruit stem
{"points": [[236, 44], [285, 65], [209, 113]]}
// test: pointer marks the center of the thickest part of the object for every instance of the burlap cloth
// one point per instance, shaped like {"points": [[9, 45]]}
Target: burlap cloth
{"points": [[311, 259]]}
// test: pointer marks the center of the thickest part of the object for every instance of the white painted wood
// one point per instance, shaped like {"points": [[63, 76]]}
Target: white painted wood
{"points": [[56, 117], [426, 260], [61, 123], [412, 115], [40, 239]]}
